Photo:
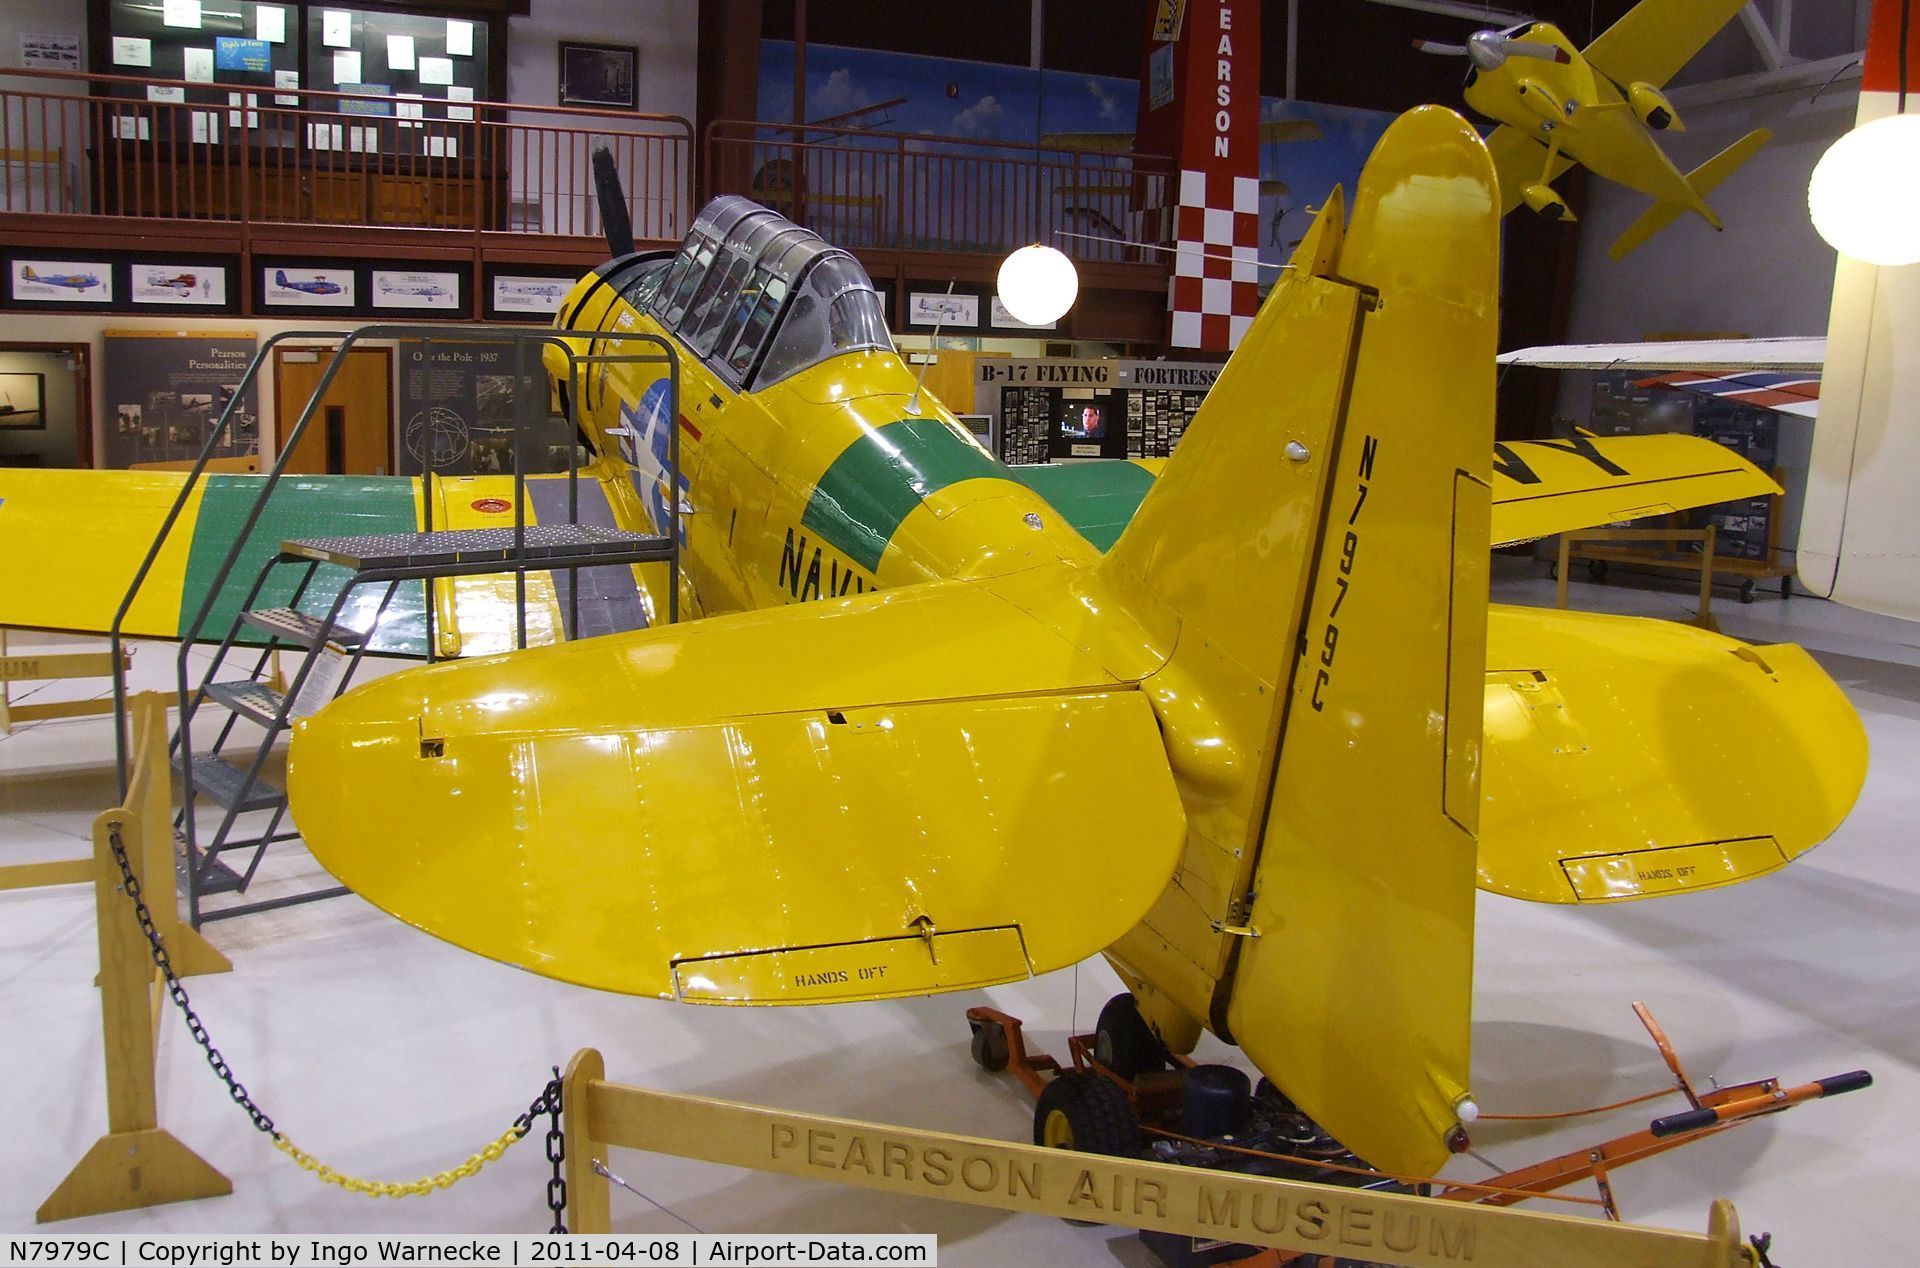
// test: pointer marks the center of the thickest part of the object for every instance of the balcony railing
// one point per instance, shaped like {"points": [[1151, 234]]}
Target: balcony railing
{"points": [[891, 190], [101, 145]]}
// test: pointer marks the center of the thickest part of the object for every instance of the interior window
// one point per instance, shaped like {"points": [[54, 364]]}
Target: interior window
{"points": [[639, 289], [801, 342], [674, 304], [752, 316], [704, 323], [835, 311]]}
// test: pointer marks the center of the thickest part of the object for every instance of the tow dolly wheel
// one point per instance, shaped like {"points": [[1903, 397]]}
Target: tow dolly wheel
{"points": [[1124, 1043], [1597, 569], [989, 1046], [1084, 1111]]}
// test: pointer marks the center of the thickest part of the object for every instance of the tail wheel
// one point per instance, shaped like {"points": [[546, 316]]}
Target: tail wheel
{"points": [[990, 1050], [1124, 1043], [1083, 1111]]}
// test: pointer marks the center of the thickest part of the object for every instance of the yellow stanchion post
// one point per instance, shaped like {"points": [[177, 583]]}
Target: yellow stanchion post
{"points": [[137, 1163], [587, 1199]]}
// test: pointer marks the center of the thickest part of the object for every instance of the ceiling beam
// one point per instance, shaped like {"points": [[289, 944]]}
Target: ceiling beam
{"points": [[1763, 39], [1462, 9]]}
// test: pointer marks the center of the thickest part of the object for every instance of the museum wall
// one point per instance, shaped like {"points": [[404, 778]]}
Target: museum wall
{"points": [[1767, 274], [80, 329], [665, 31], [52, 444]]}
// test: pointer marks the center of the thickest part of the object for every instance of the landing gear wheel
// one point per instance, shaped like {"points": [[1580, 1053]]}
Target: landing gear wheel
{"points": [[1553, 571], [1086, 1112], [989, 1046], [1265, 1093], [1124, 1043], [1746, 590], [1597, 569]]}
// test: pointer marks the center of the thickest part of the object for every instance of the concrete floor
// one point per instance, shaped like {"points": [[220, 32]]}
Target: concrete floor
{"points": [[389, 1054]]}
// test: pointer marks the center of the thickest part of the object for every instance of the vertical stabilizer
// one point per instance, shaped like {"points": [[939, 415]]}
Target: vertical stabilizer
{"points": [[1322, 536], [1358, 989]]}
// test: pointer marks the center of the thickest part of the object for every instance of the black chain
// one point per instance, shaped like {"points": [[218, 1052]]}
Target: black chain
{"points": [[548, 1102], [556, 1154], [235, 1088]]}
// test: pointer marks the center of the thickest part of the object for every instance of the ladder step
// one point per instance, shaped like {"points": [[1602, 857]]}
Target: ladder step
{"points": [[225, 783], [301, 630], [215, 877], [254, 700], [546, 545]]}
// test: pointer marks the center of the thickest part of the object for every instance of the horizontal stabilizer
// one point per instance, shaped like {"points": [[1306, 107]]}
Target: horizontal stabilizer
{"points": [[1630, 758], [1705, 179], [809, 804]]}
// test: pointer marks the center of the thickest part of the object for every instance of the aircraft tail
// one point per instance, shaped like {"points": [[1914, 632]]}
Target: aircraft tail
{"points": [[280, 277], [27, 273], [1323, 531], [1705, 179]]}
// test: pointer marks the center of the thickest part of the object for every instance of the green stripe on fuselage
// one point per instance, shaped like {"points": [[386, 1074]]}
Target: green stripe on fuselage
{"points": [[1097, 498], [301, 506], [878, 479]]}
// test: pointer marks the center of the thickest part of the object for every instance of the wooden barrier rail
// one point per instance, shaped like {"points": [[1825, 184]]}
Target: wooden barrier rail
{"points": [[1287, 1215]]}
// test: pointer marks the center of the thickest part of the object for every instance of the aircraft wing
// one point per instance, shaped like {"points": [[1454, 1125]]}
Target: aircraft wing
{"points": [[911, 791], [1657, 37], [1629, 758], [48, 519], [1520, 161], [1543, 487], [1802, 353], [1540, 487], [1796, 394]]}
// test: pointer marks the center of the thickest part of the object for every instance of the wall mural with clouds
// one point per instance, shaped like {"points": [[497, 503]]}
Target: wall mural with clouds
{"points": [[1305, 149]]}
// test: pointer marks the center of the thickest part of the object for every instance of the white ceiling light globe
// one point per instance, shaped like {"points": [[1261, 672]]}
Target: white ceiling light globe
{"points": [[1865, 193], [1038, 284]]}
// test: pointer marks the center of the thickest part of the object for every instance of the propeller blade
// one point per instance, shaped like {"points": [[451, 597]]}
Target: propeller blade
{"points": [[613, 204], [1443, 50]]}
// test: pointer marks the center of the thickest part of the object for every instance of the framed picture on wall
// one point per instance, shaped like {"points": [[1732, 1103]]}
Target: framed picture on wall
{"points": [[606, 75], [23, 404]]}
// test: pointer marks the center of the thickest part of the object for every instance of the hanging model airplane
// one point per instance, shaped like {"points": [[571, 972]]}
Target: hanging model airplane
{"points": [[315, 286], [988, 749], [1600, 107], [72, 281]]}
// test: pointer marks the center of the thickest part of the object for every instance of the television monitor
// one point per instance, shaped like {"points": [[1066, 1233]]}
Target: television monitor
{"points": [[1083, 420]]}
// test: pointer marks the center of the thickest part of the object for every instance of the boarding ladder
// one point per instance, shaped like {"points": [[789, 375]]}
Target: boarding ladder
{"points": [[316, 605]]}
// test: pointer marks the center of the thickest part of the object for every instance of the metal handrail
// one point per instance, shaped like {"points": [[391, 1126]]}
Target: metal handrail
{"points": [[528, 366], [998, 194]]}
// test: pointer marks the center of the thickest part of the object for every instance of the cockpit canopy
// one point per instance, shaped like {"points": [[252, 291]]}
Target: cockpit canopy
{"points": [[757, 297]]}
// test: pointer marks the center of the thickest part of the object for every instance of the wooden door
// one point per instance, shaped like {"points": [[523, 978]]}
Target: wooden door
{"points": [[352, 429]]}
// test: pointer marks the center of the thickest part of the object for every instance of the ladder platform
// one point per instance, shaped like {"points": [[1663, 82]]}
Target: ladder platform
{"points": [[301, 630], [546, 544], [227, 784], [252, 700]]}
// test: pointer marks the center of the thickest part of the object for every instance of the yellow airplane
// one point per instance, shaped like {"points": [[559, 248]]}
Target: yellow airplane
{"points": [[1559, 105], [1240, 752], [947, 724]]}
